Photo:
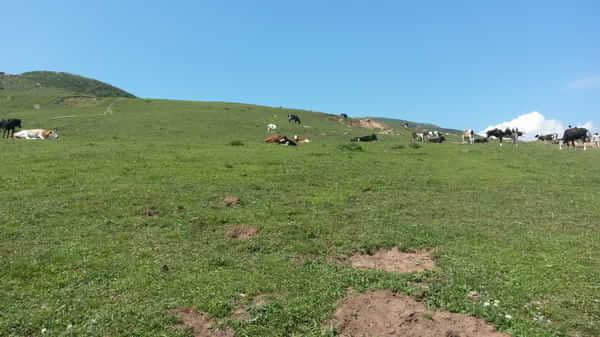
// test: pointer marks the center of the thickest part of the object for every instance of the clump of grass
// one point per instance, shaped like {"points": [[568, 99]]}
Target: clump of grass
{"points": [[236, 143], [351, 147], [414, 146], [398, 147]]}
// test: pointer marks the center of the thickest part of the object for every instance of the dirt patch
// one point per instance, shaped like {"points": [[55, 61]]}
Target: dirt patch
{"points": [[368, 123], [242, 232], [200, 323], [231, 201], [241, 312], [383, 313], [151, 212], [394, 261]]}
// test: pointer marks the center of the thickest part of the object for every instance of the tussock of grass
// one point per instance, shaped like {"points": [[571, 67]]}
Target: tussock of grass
{"points": [[236, 143], [351, 147]]}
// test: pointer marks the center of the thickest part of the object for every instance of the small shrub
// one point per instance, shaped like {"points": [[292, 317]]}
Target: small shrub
{"points": [[236, 143], [351, 147], [398, 147], [414, 146]]}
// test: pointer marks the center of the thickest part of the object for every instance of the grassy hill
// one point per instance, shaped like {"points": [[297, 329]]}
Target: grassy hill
{"points": [[39, 83], [90, 221]]}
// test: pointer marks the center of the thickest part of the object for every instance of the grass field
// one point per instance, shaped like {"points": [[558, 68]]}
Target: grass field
{"points": [[79, 256]]}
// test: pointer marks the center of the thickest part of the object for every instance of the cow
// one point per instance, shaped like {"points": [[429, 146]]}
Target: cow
{"points": [[271, 127], [279, 139], [300, 139], [497, 133], [547, 138], [9, 125], [293, 118], [440, 139], [573, 134], [37, 134], [514, 134], [470, 135], [418, 136], [369, 138], [596, 140], [434, 133]]}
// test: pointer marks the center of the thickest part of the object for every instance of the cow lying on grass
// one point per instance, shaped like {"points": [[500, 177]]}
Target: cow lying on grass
{"points": [[279, 139], [36, 134], [370, 138]]}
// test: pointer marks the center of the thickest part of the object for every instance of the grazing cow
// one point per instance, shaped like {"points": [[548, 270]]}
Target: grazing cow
{"points": [[497, 133], [9, 125], [440, 139], [573, 134], [547, 138], [293, 118], [470, 135], [271, 127], [596, 140], [369, 138], [344, 116], [434, 133], [37, 134], [418, 136]]}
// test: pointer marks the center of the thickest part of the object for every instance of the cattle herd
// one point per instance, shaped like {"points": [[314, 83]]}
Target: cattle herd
{"points": [[570, 136], [8, 127]]}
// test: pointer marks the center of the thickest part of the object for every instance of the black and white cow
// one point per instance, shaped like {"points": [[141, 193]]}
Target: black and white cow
{"points": [[573, 134], [293, 118], [369, 138], [439, 139]]}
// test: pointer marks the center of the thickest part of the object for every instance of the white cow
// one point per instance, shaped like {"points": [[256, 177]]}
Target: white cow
{"points": [[36, 134], [596, 140], [470, 135], [271, 127]]}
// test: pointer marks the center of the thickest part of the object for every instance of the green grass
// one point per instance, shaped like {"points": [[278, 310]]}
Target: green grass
{"points": [[57, 83], [76, 249]]}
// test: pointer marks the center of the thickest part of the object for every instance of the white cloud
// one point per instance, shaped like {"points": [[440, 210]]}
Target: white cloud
{"points": [[585, 83], [534, 123]]}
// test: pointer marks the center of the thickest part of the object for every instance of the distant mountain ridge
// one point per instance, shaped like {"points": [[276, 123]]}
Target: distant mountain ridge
{"points": [[30, 82]]}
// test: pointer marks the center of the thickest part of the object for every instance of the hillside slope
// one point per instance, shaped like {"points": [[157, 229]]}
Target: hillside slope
{"points": [[58, 83]]}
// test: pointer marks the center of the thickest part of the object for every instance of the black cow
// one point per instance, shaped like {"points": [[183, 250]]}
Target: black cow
{"points": [[8, 127], [546, 138], [440, 139], [344, 116], [495, 133], [573, 134], [293, 118], [369, 138], [511, 133]]}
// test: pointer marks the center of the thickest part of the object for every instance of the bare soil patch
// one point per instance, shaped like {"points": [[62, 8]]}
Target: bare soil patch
{"points": [[241, 312], [200, 323], [242, 232], [368, 123], [151, 212], [383, 313], [394, 261], [231, 201]]}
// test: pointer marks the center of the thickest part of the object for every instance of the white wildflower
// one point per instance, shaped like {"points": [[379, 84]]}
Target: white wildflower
{"points": [[486, 304], [507, 316], [44, 330], [496, 303]]}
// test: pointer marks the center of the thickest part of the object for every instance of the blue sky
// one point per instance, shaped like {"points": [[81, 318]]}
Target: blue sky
{"points": [[455, 63]]}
